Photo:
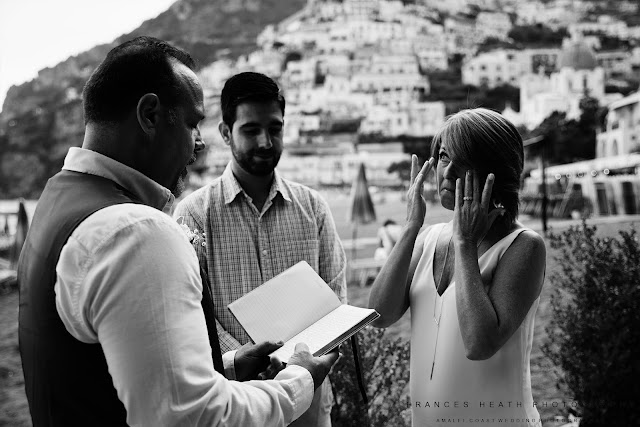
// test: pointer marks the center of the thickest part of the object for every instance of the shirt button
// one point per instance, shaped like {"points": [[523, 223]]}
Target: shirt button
{"points": [[264, 252]]}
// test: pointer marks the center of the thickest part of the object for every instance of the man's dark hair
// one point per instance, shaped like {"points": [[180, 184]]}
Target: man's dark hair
{"points": [[134, 68], [248, 87]]}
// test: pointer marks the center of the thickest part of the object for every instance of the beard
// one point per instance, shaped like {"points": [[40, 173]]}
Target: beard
{"points": [[257, 162], [180, 185]]}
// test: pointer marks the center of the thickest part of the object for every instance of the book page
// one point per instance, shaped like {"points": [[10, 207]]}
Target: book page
{"points": [[285, 305], [330, 328]]}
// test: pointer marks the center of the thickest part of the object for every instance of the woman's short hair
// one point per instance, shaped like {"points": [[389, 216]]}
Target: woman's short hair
{"points": [[484, 140]]}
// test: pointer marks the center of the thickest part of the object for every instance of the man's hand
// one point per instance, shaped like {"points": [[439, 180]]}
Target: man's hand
{"points": [[318, 367], [252, 359], [274, 368]]}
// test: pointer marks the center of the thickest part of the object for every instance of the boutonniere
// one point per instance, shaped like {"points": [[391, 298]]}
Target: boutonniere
{"points": [[195, 236]]}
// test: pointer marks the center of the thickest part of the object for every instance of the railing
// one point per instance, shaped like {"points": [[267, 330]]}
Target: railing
{"points": [[11, 244]]}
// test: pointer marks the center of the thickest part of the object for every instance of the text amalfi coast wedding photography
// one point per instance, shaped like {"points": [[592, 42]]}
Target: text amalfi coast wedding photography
{"points": [[315, 213]]}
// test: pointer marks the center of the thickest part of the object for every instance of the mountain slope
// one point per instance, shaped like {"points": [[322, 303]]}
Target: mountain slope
{"points": [[42, 118]]}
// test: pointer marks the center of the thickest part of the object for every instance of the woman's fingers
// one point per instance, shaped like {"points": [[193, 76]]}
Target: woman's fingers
{"points": [[477, 188], [486, 192], [459, 194], [419, 180], [428, 165], [468, 186], [414, 167]]}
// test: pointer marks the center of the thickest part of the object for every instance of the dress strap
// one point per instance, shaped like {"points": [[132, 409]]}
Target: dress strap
{"points": [[501, 246]]}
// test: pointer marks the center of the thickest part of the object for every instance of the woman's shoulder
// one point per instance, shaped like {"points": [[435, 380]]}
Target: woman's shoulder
{"points": [[528, 242]]}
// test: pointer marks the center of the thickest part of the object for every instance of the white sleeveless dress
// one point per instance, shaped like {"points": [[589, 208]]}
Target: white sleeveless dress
{"points": [[496, 391]]}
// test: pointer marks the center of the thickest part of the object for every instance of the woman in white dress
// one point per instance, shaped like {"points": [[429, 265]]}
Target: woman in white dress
{"points": [[472, 284]]}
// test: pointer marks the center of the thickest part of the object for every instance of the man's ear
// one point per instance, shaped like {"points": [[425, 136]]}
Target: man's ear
{"points": [[225, 132], [148, 113]]}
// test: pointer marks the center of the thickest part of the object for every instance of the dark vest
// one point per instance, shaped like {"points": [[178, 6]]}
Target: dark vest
{"points": [[67, 382]]}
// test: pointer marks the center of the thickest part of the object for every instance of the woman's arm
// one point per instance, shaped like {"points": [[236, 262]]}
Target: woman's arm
{"points": [[390, 291], [488, 318]]}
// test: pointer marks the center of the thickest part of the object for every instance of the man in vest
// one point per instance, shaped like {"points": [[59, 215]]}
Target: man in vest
{"points": [[113, 320]]}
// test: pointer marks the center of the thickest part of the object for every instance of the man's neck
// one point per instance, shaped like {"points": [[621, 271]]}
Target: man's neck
{"points": [[256, 187]]}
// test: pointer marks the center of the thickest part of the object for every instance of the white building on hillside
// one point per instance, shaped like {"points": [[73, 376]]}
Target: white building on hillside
{"points": [[616, 63], [529, 12], [604, 25], [536, 60], [493, 24], [300, 74], [431, 51], [507, 66], [413, 119], [391, 73], [578, 74], [621, 134], [461, 34], [361, 8], [493, 69]]}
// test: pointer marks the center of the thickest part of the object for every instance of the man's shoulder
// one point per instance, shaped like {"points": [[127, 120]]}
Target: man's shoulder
{"points": [[200, 198], [127, 217], [301, 190], [201, 193]]}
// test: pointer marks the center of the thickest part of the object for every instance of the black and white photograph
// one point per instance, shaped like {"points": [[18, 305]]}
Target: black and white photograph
{"points": [[319, 213]]}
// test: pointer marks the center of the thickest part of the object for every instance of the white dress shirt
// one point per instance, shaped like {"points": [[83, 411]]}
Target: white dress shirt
{"points": [[128, 279]]}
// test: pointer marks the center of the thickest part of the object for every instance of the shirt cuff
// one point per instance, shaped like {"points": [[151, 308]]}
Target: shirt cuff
{"points": [[229, 363], [300, 381]]}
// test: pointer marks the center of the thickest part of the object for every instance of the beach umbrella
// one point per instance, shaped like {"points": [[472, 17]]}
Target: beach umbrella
{"points": [[361, 210], [21, 233]]}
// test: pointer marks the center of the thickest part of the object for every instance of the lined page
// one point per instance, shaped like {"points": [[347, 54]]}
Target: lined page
{"points": [[325, 330], [285, 305]]}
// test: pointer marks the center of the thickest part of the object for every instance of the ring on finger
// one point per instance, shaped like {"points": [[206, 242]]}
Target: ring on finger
{"points": [[467, 198]]}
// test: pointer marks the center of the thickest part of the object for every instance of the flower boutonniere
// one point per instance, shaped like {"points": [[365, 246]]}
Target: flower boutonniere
{"points": [[195, 236]]}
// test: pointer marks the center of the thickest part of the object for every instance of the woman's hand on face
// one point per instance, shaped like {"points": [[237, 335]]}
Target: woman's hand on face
{"points": [[416, 205], [471, 217]]}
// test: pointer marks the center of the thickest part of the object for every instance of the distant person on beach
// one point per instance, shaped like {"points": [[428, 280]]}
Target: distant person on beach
{"points": [[388, 235], [472, 284], [257, 224], [114, 317]]}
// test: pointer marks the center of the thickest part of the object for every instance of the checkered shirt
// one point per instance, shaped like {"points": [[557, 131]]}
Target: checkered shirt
{"points": [[245, 247]]}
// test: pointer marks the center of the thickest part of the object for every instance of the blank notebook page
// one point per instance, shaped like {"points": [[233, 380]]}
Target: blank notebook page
{"points": [[284, 305]]}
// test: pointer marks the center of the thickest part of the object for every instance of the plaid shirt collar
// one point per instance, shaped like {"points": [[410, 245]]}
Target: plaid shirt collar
{"points": [[231, 187]]}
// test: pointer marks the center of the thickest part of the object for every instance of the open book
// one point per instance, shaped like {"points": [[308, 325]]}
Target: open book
{"points": [[298, 306]]}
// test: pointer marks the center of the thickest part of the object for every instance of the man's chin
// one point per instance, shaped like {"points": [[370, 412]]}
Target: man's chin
{"points": [[261, 168]]}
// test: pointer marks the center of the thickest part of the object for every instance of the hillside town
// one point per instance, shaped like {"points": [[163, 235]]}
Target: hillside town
{"points": [[358, 76]]}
